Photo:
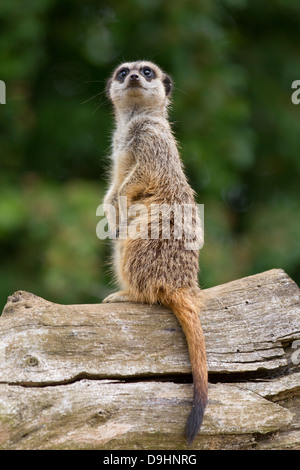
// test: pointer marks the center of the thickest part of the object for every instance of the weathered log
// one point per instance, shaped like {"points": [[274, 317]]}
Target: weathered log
{"points": [[114, 376]]}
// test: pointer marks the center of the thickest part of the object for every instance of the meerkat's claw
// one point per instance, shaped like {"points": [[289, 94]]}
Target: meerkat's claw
{"points": [[117, 297]]}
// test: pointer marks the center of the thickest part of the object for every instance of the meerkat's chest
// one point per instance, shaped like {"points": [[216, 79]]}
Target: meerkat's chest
{"points": [[122, 155], [123, 162]]}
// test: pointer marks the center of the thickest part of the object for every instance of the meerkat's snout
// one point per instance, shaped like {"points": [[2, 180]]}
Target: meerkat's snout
{"points": [[134, 79]]}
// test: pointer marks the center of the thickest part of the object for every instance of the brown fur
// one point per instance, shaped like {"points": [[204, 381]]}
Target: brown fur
{"points": [[147, 169]]}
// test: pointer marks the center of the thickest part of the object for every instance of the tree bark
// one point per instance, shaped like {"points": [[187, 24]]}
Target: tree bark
{"points": [[117, 376]]}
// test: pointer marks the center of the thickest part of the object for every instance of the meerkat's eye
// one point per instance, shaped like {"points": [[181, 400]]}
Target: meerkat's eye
{"points": [[148, 73], [122, 74]]}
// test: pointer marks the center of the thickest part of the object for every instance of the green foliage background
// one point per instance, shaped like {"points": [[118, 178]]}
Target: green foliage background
{"points": [[233, 62]]}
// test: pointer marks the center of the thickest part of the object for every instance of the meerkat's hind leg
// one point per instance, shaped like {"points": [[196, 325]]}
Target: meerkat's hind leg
{"points": [[121, 296]]}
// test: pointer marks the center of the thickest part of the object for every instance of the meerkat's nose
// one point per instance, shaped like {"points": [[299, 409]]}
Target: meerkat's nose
{"points": [[134, 77]]}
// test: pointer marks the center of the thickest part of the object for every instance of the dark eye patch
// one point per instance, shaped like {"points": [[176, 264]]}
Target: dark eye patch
{"points": [[122, 74], [148, 73]]}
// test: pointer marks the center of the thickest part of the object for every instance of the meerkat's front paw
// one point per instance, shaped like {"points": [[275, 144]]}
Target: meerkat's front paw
{"points": [[117, 297]]}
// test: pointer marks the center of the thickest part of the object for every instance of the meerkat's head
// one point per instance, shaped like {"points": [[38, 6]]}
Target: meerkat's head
{"points": [[139, 85]]}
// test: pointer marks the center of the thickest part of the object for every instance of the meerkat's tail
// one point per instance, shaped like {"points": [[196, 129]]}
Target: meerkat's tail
{"points": [[186, 308]]}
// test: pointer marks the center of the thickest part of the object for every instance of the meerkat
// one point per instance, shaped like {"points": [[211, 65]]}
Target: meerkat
{"points": [[147, 169]]}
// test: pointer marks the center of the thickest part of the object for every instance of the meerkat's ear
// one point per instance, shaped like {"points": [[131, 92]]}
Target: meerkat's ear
{"points": [[107, 88], [168, 84]]}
